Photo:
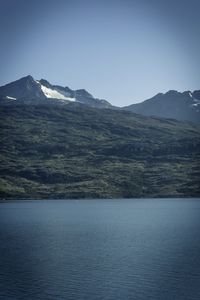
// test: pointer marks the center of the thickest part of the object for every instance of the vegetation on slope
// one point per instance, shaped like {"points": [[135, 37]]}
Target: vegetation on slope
{"points": [[74, 151]]}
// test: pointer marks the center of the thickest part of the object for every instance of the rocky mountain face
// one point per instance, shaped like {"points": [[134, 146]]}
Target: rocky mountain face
{"points": [[172, 105], [25, 87], [175, 105], [27, 90]]}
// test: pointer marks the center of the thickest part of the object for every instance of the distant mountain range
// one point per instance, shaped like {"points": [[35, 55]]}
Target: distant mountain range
{"points": [[175, 105]]}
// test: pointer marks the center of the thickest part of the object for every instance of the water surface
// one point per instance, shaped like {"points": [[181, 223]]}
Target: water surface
{"points": [[100, 249]]}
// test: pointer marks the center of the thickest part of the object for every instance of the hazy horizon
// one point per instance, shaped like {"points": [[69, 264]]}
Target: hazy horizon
{"points": [[122, 51]]}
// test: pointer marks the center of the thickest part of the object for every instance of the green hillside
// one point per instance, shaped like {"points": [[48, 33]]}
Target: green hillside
{"points": [[74, 151]]}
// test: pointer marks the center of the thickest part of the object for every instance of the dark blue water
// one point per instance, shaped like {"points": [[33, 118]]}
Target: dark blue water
{"points": [[100, 249]]}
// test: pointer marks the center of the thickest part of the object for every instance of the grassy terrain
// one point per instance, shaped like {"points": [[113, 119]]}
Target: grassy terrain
{"points": [[78, 152]]}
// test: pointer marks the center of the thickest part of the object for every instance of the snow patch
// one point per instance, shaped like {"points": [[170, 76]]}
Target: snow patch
{"points": [[52, 93], [49, 93], [12, 98]]}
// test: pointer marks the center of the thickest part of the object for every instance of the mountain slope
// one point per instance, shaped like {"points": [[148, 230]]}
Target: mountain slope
{"points": [[27, 90], [74, 151], [180, 106]]}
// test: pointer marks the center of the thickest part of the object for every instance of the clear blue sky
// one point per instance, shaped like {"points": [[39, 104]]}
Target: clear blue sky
{"points": [[124, 51]]}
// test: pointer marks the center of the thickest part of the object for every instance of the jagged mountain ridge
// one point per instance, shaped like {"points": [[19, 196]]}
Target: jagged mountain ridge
{"points": [[175, 105], [27, 90]]}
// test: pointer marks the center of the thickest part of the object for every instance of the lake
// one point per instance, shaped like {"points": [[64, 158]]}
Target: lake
{"points": [[133, 249]]}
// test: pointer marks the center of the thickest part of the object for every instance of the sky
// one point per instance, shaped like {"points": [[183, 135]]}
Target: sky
{"points": [[124, 51]]}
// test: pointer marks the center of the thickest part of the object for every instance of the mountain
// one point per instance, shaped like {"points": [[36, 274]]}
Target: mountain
{"points": [[175, 105], [76, 151], [27, 90]]}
